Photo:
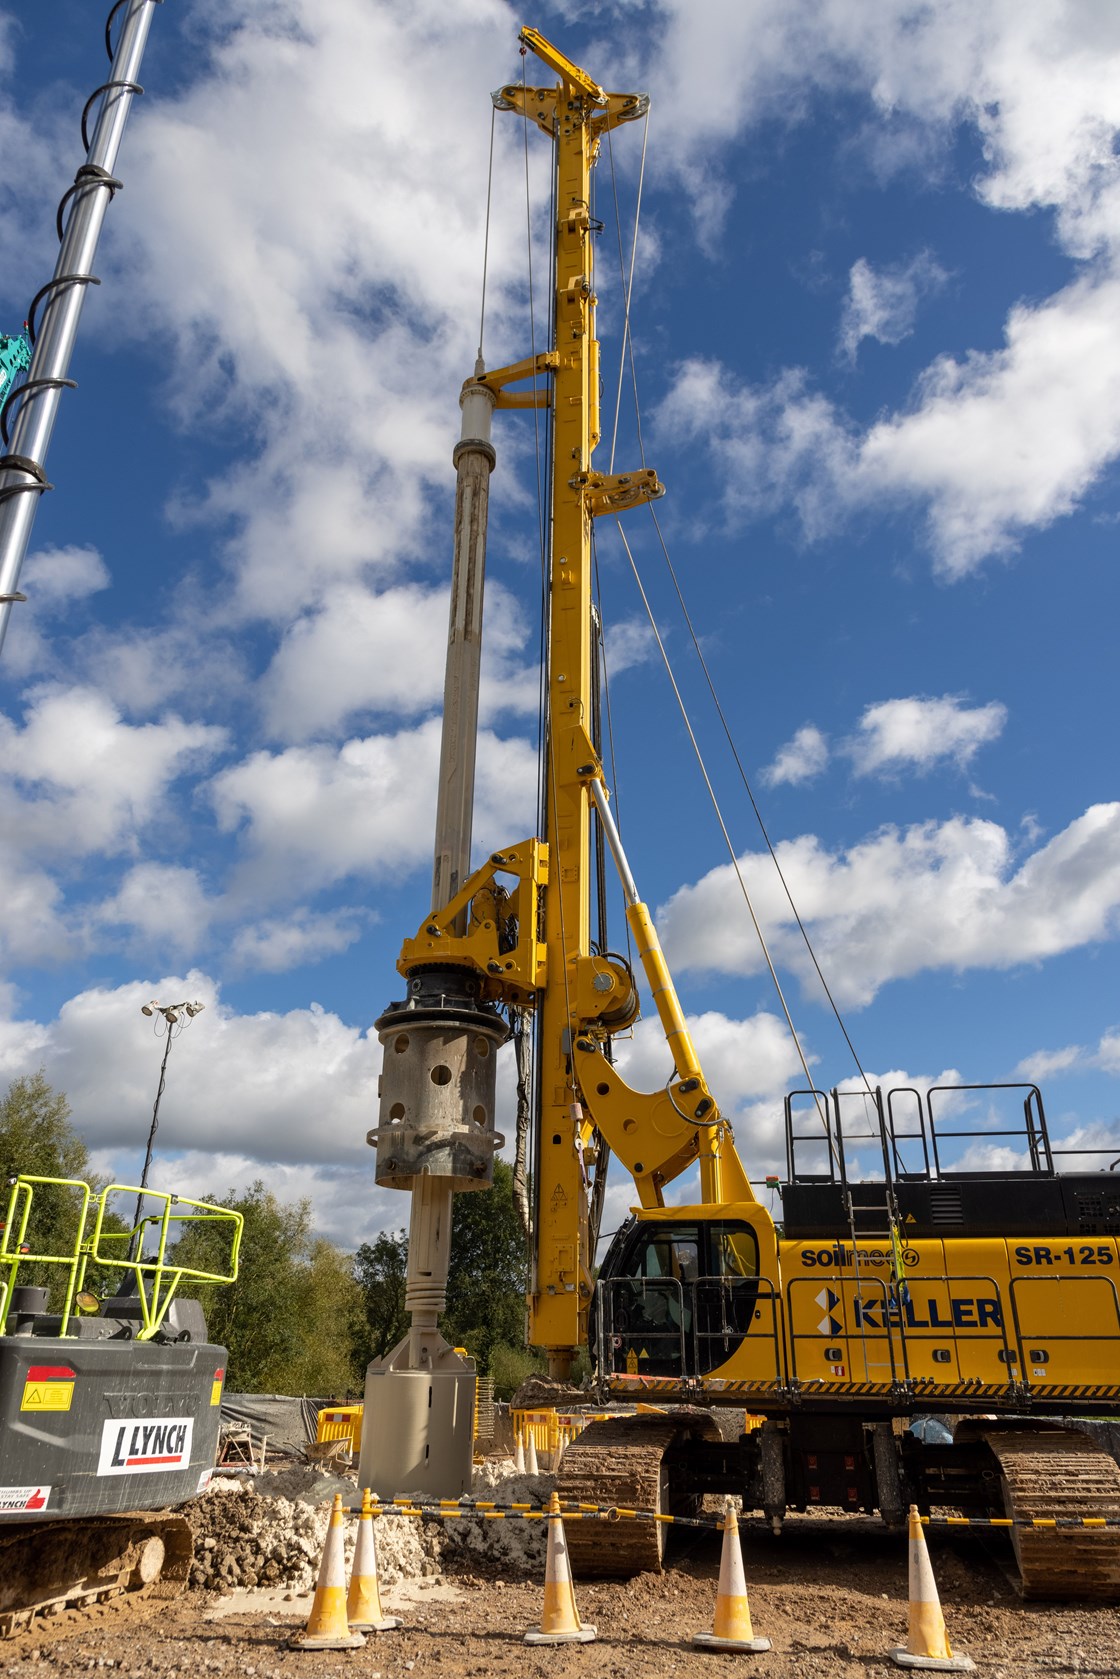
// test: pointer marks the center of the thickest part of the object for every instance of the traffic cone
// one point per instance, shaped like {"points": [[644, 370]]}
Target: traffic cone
{"points": [[363, 1604], [560, 1622], [731, 1629], [532, 1467], [327, 1627], [928, 1642], [519, 1455]]}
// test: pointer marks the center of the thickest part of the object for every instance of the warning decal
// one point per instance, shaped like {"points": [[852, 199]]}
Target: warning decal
{"points": [[23, 1498], [216, 1387], [144, 1446], [48, 1387]]}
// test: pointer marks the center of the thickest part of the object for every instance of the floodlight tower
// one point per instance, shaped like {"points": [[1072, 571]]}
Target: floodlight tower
{"points": [[171, 1019]]}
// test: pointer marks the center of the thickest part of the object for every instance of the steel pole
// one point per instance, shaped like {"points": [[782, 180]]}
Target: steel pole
{"points": [[429, 1231], [22, 475], [155, 1123], [474, 462]]}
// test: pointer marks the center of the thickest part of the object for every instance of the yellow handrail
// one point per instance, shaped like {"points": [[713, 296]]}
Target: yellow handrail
{"points": [[157, 1278]]}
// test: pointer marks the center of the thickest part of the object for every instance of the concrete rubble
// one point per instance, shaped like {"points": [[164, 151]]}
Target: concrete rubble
{"points": [[267, 1530]]}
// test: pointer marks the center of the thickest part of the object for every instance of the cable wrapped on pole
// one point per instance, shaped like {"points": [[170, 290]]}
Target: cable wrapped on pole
{"points": [[32, 407]]}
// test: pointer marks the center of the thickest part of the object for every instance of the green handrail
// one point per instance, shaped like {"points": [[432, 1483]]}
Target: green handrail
{"points": [[15, 1249], [157, 1278]]}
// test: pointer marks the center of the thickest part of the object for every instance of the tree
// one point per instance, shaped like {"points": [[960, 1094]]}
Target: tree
{"points": [[288, 1322], [486, 1281], [488, 1271], [329, 1306], [37, 1140], [379, 1268]]}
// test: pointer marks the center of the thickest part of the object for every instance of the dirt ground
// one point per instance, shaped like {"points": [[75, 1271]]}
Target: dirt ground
{"points": [[830, 1595]]}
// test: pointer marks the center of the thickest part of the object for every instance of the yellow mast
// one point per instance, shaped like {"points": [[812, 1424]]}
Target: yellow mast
{"points": [[577, 113], [529, 946]]}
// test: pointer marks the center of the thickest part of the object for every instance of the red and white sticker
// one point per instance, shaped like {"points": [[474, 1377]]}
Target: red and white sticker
{"points": [[23, 1498], [145, 1445], [204, 1480]]}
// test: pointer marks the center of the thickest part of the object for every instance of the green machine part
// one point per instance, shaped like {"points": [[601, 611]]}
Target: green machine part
{"points": [[15, 356]]}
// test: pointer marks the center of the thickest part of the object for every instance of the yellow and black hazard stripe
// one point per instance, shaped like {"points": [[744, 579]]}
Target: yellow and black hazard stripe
{"points": [[489, 1510]]}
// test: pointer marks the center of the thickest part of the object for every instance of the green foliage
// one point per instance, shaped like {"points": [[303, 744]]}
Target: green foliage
{"points": [[509, 1366], [379, 1267], [289, 1321], [485, 1284], [488, 1271], [37, 1140], [330, 1307]]}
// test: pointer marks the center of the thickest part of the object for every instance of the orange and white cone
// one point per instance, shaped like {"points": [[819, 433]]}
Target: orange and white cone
{"points": [[532, 1467], [560, 1622], [327, 1627], [363, 1603], [731, 1629], [928, 1643], [519, 1455]]}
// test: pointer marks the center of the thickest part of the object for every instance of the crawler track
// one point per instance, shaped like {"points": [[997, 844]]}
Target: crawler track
{"points": [[621, 1462], [48, 1567], [1053, 1473]]}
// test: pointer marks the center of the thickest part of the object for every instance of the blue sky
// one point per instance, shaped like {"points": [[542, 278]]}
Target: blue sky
{"points": [[875, 323]]}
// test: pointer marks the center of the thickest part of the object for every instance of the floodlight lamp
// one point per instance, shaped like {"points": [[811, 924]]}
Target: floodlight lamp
{"points": [[86, 1302], [149, 1008], [170, 1015], [195, 1008]]}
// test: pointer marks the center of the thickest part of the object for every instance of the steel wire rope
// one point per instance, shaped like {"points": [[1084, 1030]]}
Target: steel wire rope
{"points": [[486, 235], [524, 1129], [726, 837], [720, 713], [628, 347], [627, 355], [628, 289], [546, 568], [626, 292]]}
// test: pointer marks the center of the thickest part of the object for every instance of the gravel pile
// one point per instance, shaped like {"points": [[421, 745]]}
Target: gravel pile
{"points": [[269, 1531], [512, 1548]]}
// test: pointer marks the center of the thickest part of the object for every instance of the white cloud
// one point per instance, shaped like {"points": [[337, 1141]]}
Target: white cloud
{"points": [[57, 576], [162, 904], [994, 445], [1002, 442], [1073, 1058], [1044, 1063], [303, 936], [53, 579], [1040, 83], [948, 895], [385, 652], [1108, 1052], [919, 732], [33, 928], [329, 317], [295, 1089], [883, 304], [76, 778], [311, 815], [800, 759], [629, 642], [191, 662]]}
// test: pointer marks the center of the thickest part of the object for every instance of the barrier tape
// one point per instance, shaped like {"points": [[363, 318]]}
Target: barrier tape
{"points": [[448, 1509]]}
